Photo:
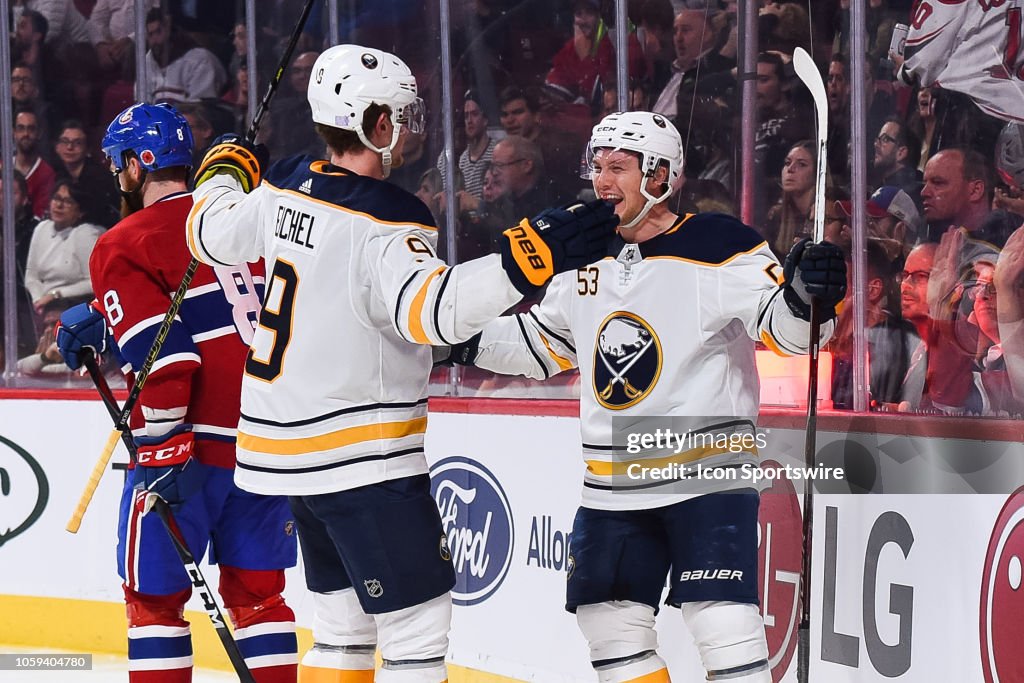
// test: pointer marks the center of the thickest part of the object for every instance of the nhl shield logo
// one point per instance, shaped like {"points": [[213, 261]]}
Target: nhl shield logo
{"points": [[373, 588], [444, 550], [627, 360]]}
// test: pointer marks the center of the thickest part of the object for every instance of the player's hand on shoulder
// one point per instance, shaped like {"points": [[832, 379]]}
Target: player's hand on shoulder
{"points": [[234, 154], [814, 270], [166, 466], [83, 328], [555, 241]]}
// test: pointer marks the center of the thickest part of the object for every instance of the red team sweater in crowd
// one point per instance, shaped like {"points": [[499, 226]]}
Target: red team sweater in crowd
{"points": [[136, 268]]}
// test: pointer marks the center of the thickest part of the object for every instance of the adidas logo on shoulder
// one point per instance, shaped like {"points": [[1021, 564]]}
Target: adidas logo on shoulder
{"points": [[306, 186]]}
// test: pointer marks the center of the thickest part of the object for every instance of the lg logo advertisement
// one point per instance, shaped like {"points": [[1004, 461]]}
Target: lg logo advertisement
{"points": [[780, 544], [24, 490], [477, 518], [1002, 598]]}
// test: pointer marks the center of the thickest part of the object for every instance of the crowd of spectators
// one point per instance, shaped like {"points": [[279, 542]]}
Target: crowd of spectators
{"points": [[945, 256]]}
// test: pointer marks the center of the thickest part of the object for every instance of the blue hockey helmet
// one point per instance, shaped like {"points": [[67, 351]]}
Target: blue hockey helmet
{"points": [[156, 134]]}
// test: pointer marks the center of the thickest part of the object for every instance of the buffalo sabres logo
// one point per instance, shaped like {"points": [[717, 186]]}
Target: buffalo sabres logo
{"points": [[373, 588], [369, 61], [628, 360], [660, 122]]}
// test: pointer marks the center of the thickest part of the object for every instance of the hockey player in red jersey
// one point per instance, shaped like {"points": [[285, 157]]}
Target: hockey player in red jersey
{"points": [[191, 402]]}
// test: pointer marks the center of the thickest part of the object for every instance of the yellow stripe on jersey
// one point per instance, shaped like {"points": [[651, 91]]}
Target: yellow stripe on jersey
{"points": [[416, 309], [332, 440], [705, 263], [680, 223], [306, 197], [770, 342], [190, 232], [659, 676], [563, 363], [604, 468], [317, 674]]}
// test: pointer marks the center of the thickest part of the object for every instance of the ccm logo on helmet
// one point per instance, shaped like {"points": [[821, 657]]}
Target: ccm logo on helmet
{"points": [[711, 574]]}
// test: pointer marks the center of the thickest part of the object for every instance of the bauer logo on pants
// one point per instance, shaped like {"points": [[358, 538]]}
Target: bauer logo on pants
{"points": [[24, 490], [477, 519], [1002, 596]]}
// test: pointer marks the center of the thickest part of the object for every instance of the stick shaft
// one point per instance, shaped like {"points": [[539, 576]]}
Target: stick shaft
{"points": [[811, 77], [163, 511], [75, 523]]}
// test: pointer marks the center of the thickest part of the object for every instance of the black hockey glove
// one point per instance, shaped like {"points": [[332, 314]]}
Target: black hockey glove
{"points": [[236, 156], [814, 270], [557, 240], [463, 353]]}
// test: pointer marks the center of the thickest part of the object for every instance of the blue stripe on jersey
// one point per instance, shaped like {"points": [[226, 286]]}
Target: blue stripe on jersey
{"points": [[223, 438], [268, 644], [212, 311], [159, 648], [178, 341], [710, 238], [377, 198]]}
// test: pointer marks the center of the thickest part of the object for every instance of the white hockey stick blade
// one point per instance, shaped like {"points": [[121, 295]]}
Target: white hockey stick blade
{"points": [[808, 72]]}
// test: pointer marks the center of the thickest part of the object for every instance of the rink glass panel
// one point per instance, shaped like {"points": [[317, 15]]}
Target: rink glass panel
{"points": [[500, 48]]}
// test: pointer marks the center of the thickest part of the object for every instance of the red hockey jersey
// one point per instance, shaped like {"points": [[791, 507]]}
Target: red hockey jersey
{"points": [[136, 267]]}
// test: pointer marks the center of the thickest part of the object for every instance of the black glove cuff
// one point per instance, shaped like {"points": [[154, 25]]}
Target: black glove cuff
{"points": [[465, 353]]}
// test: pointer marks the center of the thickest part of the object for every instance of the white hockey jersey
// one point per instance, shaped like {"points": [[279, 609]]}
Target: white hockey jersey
{"points": [[335, 388], [665, 328], [971, 46]]}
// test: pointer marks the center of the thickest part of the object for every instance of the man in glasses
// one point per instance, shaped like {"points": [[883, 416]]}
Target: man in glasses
{"points": [[75, 163], [518, 165], [897, 153]]}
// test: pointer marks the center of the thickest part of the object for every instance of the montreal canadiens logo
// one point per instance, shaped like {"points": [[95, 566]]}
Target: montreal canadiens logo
{"points": [[147, 157], [127, 116], [627, 360], [1002, 596], [477, 520], [780, 556]]}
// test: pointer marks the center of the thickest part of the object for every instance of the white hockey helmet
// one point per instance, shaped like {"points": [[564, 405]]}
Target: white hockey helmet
{"points": [[347, 79], [650, 135], [1010, 154]]}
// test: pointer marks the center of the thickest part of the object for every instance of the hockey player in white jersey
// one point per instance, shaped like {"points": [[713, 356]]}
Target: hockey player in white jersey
{"points": [[334, 398], [664, 326], [970, 47]]}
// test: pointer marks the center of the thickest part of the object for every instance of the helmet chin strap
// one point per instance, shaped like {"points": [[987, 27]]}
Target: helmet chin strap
{"points": [[649, 204], [385, 152]]}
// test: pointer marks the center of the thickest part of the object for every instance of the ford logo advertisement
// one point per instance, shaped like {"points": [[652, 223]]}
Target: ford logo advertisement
{"points": [[477, 519]]}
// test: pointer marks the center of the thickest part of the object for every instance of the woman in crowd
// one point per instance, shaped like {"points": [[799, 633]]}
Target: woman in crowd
{"points": [[789, 220], [57, 274]]}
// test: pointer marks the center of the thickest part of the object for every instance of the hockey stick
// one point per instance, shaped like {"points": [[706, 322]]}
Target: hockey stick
{"points": [[163, 510], [186, 280], [811, 77]]}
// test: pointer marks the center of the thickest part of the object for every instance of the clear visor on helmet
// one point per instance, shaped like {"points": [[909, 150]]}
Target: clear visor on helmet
{"points": [[412, 116], [608, 155]]}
